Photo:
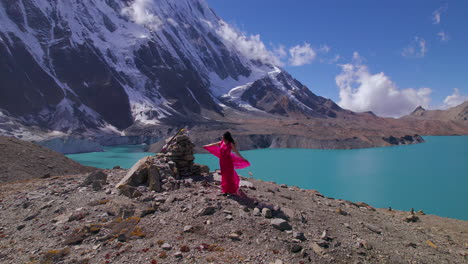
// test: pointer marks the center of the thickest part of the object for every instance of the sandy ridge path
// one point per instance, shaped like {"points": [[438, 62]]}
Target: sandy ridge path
{"points": [[56, 220]]}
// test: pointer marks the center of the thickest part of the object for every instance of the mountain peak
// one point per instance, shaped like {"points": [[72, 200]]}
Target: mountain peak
{"points": [[418, 111]]}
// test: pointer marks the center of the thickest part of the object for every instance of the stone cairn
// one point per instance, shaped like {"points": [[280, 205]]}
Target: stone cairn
{"points": [[164, 171]]}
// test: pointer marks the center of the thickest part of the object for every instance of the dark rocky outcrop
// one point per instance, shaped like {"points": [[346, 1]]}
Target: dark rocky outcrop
{"points": [[403, 140]]}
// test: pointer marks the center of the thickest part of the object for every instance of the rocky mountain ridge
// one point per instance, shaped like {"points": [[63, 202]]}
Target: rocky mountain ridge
{"points": [[456, 113], [81, 66]]}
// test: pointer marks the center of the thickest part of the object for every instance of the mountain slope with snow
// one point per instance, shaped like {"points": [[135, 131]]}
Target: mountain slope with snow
{"points": [[80, 65]]}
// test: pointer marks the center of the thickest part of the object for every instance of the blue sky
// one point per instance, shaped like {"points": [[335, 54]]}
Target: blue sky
{"points": [[415, 50]]}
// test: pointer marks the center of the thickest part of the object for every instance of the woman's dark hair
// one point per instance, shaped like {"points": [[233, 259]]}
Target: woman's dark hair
{"points": [[227, 135]]}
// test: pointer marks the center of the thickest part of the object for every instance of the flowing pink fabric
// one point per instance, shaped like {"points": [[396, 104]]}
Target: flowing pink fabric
{"points": [[228, 162]]}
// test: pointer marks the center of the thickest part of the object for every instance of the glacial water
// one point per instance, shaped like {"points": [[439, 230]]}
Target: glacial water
{"points": [[432, 176]]}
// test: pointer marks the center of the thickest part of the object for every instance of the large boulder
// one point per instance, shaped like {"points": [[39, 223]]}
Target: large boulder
{"points": [[138, 174], [97, 179]]}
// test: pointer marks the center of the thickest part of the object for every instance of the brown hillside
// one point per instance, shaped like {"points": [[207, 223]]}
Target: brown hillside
{"points": [[20, 160]]}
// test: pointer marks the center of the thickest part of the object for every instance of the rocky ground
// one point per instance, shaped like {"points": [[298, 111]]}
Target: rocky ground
{"points": [[62, 220], [20, 160]]}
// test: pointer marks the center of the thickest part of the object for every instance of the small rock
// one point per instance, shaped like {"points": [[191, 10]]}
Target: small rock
{"points": [[373, 228], [20, 227], [296, 248], [322, 243], [341, 212], [229, 217], [324, 236], [31, 217], [178, 254], [95, 176], [77, 216], [256, 211], [267, 213], [411, 218], [122, 238], [318, 249], [299, 235], [227, 212], [171, 199], [129, 191], [421, 212], [166, 246], [280, 224], [188, 229], [97, 185], [364, 244], [284, 186], [147, 211], [234, 236], [160, 199], [207, 211], [413, 245]]}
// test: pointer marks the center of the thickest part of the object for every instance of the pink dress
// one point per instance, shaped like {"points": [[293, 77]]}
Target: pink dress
{"points": [[228, 162]]}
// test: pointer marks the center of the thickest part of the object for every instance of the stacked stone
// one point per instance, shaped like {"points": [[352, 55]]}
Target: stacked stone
{"points": [[181, 152], [162, 172]]}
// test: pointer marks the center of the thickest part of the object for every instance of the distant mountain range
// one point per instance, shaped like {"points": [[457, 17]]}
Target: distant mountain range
{"points": [[90, 68], [457, 113]]}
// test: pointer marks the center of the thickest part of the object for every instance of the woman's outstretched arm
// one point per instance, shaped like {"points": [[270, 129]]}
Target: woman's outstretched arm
{"points": [[237, 152], [213, 144]]}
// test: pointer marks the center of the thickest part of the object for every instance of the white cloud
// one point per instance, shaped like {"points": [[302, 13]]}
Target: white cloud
{"points": [[324, 49], [443, 36], [140, 12], [455, 99], [251, 47], [362, 91], [301, 55], [417, 48], [280, 51], [335, 59], [436, 15]]}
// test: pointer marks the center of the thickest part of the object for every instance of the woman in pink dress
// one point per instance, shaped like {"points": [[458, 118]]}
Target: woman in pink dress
{"points": [[228, 162]]}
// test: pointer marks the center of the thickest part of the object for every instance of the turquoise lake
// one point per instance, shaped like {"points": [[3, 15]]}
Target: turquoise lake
{"points": [[432, 176]]}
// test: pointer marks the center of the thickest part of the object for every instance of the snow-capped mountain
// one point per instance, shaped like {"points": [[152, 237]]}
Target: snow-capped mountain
{"points": [[75, 65]]}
